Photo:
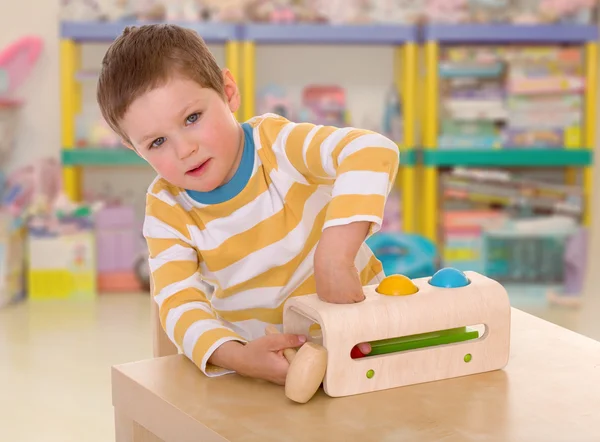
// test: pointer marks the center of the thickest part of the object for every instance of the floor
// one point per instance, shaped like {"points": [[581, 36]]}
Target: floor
{"points": [[55, 360]]}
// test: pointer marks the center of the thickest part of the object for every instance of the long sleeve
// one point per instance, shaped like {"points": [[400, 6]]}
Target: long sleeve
{"points": [[179, 289], [360, 165]]}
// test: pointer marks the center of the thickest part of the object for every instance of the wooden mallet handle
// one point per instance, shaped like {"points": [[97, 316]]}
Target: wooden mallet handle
{"points": [[289, 353], [307, 369]]}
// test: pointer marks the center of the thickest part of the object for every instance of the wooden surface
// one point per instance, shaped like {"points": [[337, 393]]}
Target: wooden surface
{"points": [[549, 392], [484, 302]]}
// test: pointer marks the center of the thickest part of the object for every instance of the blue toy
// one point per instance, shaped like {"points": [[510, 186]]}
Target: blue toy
{"points": [[449, 278], [405, 254]]}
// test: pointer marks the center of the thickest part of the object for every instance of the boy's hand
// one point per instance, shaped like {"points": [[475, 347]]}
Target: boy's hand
{"points": [[263, 358], [336, 277], [338, 281]]}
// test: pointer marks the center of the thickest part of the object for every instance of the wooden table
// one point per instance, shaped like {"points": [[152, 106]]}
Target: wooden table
{"points": [[549, 392]]}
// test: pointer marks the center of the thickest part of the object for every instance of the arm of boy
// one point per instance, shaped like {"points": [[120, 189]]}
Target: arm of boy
{"points": [[361, 168], [185, 311]]}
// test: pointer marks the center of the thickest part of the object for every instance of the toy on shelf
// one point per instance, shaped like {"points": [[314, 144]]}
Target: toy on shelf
{"points": [[568, 11], [490, 11], [446, 11], [324, 105], [274, 99], [435, 315], [513, 192], [462, 232], [92, 130], [408, 12]]}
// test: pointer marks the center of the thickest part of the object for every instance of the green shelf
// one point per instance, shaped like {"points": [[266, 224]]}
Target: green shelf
{"points": [[408, 157], [99, 156], [538, 157]]}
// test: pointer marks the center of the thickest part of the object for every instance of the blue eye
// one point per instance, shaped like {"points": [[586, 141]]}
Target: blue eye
{"points": [[192, 118], [158, 142]]}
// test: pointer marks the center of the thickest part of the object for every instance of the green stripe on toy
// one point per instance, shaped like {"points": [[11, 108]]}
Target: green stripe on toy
{"points": [[422, 340]]}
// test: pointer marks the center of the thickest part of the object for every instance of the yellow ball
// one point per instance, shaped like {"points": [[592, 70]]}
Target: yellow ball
{"points": [[397, 285]]}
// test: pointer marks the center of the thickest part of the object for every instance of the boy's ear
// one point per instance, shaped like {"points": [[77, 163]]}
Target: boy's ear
{"points": [[232, 92]]}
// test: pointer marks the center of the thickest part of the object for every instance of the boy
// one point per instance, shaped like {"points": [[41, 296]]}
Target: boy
{"points": [[241, 216]]}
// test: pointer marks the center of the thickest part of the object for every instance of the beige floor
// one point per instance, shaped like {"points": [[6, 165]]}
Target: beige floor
{"points": [[55, 360]]}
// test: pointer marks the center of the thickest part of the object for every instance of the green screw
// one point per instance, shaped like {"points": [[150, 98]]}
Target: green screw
{"points": [[370, 374], [468, 357]]}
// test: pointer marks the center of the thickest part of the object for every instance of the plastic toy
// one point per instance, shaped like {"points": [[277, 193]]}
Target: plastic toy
{"points": [[274, 99], [397, 11], [446, 11], [442, 317], [325, 105], [489, 11], [411, 255]]}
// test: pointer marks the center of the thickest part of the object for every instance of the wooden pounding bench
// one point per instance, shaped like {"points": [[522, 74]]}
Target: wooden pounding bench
{"points": [[549, 392]]}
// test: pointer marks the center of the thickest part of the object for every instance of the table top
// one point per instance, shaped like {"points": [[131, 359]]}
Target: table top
{"points": [[549, 391]]}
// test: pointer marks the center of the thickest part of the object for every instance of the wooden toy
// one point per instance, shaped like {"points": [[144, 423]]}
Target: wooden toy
{"points": [[420, 330], [306, 372]]}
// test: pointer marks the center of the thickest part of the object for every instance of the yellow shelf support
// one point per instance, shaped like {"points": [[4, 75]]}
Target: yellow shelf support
{"points": [[407, 82], [249, 80], [70, 90], [430, 201], [591, 114], [232, 60]]}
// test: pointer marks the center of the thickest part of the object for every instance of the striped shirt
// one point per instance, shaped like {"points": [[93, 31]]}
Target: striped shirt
{"points": [[223, 263]]}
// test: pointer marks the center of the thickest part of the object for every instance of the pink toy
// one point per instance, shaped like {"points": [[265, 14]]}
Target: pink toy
{"points": [[446, 11], [560, 8], [16, 63], [273, 99]]}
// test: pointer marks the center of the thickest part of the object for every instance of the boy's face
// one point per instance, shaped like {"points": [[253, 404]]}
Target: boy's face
{"points": [[187, 133]]}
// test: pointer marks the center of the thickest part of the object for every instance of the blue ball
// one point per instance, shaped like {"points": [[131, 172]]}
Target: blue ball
{"points": [[449, 278]]}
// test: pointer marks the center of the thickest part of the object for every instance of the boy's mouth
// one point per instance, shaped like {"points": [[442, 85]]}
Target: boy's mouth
{"points": [[199, 169]]}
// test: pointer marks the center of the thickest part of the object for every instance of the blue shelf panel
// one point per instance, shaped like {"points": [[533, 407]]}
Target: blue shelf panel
{"points": [[108, 31], [329, 34], [508, 33]]}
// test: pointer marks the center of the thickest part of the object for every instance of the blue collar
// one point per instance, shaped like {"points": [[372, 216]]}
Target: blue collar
{"points": [[234, 186]]}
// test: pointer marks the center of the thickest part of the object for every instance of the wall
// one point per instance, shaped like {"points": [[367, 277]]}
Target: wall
{"points": [[39, 130]]}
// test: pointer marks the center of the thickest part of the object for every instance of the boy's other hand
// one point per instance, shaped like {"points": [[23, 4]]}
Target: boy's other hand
{"points": [[336, 277], [338, 281], [263, 358]]}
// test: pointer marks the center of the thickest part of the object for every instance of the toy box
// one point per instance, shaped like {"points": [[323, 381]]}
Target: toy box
{"points": [[528, 250], [62, 265], [116, 249]]}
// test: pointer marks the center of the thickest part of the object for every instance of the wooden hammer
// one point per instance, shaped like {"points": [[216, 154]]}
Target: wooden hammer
{"points": [[307, 369]]}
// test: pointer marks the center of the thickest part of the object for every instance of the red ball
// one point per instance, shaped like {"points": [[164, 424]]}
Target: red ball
{"points": [[355, 353]]}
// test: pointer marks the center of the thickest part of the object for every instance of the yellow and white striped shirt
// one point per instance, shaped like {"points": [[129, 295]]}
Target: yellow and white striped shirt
{"points": [[223, 263]]}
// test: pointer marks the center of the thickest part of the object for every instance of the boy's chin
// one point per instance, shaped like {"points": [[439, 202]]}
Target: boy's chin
{"points": [[205, 185]]}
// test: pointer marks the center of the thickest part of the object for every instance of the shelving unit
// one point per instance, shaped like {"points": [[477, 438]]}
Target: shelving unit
{"points": [[420, 164], [435, 36], [241, 41], [404, 39]]}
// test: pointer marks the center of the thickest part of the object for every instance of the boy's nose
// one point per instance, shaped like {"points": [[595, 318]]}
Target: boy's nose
{"points": [[185, 148]]}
